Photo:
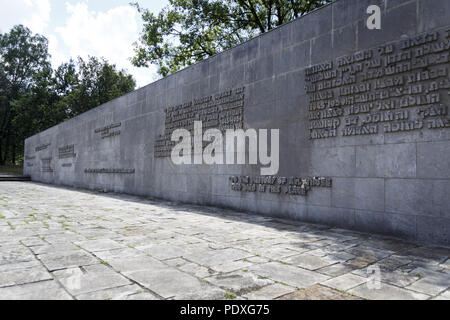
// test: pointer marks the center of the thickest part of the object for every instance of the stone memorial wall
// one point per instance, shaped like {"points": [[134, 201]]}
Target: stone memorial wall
{"points": [[363, 119]]}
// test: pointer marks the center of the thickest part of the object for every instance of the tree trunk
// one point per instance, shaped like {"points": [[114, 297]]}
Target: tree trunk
{"points": [[5, 158], [13, 152], [1, 153]]}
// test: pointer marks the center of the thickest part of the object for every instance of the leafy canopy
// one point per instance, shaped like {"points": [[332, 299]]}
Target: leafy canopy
{"points": [[188, 31]]}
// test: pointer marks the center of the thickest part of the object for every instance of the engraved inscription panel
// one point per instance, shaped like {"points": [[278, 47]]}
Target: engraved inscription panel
{"points": [[42, 147], [396, 87], [109, 131], [67, 152], [110, 170], [222, 111], [278, 185], [46, 165]]}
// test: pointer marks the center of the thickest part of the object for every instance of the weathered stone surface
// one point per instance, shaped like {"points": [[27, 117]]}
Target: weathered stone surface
{"points": [[239, 282], [443, 296], [318, 292], [130, 292], [19, 265], [99, 245], [62, 260], [290, 275], [94, 278], [345, 282], [431, 282], [196, 270], [269, 292], [387, 292], [310, 262], [171, 283], [336, 270], [15, 277], [47, 290]]}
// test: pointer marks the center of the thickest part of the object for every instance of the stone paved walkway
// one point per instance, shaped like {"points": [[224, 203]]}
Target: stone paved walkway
{"points": [[59, 243]]}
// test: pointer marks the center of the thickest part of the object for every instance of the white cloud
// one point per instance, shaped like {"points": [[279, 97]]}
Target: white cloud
{"points": [[108, 34], [34, 14]]}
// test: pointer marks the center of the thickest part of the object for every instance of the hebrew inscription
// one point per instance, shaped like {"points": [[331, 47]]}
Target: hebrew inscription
{"points": [[278, 185], [222, 111], [396, 87]]}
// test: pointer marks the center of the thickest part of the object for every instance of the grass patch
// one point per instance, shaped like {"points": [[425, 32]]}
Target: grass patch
{"points": [[229, 296], [64, 225], [2, 216], [11, 226], [105, 263]]}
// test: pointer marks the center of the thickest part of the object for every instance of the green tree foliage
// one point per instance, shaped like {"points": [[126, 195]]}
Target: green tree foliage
{"points": [[94, 83], [22, 55], [34, 97], [188, 31]]}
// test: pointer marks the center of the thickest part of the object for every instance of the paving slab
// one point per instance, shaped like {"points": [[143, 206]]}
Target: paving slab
{"points": [[430, 282], [63, 260], [22, 276], [45, 290], [310, 262], [99, 245], [270, 292], [129, 292], [318, 292], [239, 282], [387, 292], [19, 265], [443, 296], [77, 281], [291, 275], [345, 282], [171, 283]]}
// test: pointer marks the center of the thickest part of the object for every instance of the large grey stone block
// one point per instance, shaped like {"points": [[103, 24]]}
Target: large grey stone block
{"points": [[433, 14], [433, 160], [386, 161], [364, 194], [395, 23], [409, 196]]}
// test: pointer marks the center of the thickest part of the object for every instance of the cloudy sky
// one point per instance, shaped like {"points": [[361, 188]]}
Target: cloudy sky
{"points": [[102, 28]]}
